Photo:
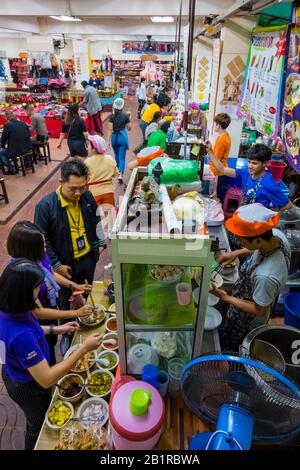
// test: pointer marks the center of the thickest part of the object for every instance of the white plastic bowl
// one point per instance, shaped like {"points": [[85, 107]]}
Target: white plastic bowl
{"points": [[213, 319], [103, 353], [75, 398], [112, 310], [110, 347], [97, 372], [54, 426], [74, 348], [90, 401], [107, 325]]}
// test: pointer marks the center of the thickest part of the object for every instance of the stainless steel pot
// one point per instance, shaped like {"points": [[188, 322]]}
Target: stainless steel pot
{"points": [[281, 337]]}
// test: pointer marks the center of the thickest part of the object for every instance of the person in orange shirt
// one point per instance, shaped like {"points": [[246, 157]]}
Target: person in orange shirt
{"points": [[222, 145]]}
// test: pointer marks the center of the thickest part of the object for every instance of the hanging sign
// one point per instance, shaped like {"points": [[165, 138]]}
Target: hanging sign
{"points": [[261, 95], [291, 105]]}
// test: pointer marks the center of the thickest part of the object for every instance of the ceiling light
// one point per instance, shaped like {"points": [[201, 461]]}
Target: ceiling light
{"points": [[162, 19], [65, 18]]}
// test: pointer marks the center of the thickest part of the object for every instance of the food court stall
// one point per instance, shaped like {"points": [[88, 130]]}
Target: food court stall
{"points": [[162, 271]]}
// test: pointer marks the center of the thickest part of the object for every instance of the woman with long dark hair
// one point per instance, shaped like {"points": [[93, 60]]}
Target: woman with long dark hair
{"points": [[25, 240], [74, 126], [26, 373], [118, 125]]}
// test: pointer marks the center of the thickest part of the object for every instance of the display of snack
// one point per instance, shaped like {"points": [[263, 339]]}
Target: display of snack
{"points": [[71, 436], [95, 438], [166, 274], [74, 437], [59, 413], [95, 318]]}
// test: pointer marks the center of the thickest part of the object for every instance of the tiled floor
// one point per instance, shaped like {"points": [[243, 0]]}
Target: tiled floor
{"points": [[12, 421]]}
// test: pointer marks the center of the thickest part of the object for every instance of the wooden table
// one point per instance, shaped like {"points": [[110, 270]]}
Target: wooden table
{"points": [[180, 424]]}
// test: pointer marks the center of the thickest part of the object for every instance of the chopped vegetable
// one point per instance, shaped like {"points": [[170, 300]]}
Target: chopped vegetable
{"points": [[59, 414], [100, 383]]}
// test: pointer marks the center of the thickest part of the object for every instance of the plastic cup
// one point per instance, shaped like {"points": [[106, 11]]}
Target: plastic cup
{"points": [[183, 291], [139, 401], [276, 169], [175, 367], [149, 374], [162, 382]]}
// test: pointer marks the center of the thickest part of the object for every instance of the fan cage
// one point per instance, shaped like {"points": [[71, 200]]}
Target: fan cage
{"points": [[208, 382]]}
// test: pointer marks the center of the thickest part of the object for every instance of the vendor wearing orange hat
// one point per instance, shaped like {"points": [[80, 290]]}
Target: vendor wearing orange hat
{"points": [[102, 169], [261, 276]]}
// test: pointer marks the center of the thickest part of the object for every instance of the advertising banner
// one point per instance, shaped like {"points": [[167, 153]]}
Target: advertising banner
{"points": [[291, 105], [261, 95]]}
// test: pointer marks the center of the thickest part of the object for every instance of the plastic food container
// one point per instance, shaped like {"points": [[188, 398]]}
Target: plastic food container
{"points": [[105, 374], [175, 367], [65, 381], [56, 427], [106, 345], [111, 325], [95, 418], [109, 355], [132, 432]]}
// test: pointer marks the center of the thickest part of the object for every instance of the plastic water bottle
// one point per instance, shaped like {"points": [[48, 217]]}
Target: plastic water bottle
{"points": [[170, 133]]}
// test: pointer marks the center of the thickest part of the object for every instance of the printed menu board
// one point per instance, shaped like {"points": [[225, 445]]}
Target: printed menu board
{"points": [[291, 105], [261, 95]]}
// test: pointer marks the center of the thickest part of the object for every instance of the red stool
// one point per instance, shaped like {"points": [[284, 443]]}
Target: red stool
{"points": [[233, 200]]}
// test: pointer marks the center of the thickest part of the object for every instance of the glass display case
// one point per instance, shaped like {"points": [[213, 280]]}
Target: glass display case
{"points": [[161, 286]]}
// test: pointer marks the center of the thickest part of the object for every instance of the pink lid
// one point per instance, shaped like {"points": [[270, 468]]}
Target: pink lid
{"points": [[128, 425]]}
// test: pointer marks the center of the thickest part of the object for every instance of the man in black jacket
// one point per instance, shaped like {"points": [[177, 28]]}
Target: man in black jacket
{"points": [[73, 232], [16, 136]]}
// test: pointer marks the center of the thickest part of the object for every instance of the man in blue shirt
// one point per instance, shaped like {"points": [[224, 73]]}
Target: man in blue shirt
{"points": [[258, 185]]}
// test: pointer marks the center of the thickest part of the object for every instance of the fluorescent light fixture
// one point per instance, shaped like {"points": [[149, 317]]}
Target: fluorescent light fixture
{"points": [[65, 18], [162, 19]]}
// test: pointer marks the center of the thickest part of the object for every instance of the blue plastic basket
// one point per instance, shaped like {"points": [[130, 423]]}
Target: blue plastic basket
{"points": [[292, 309]]}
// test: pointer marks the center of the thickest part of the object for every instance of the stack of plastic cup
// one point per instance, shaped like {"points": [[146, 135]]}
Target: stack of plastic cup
{"points": [[175, 366]]}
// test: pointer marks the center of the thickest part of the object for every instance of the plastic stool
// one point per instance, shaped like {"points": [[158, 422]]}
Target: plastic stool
{"points": [[41, 151], [233, 200], [4, 192]]}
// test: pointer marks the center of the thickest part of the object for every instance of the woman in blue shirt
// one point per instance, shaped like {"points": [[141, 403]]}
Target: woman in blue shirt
{"points": [[25, 240], [258, 185], [26, 373]]}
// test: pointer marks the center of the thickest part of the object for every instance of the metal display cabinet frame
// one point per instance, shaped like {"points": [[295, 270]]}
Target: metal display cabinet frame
{"points": [[164, 249]]}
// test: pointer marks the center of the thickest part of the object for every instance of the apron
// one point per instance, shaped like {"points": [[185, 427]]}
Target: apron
{"points": [[238, 323]]}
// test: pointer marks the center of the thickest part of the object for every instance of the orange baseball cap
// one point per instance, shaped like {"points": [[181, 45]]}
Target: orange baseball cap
{"points": [[252, 220]]}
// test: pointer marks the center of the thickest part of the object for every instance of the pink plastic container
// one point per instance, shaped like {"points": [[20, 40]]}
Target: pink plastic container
{"points": [[130, 432], [276, 169]]}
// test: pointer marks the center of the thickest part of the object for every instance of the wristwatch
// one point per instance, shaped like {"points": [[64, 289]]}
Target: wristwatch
{"points": [[51, 330]]}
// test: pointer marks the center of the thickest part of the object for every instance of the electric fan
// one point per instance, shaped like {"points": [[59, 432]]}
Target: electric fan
{"points": [[246, 399]]}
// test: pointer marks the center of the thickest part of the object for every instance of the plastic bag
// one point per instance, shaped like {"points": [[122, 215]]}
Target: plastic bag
{"points": [[147, 154], [175, 171]]}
